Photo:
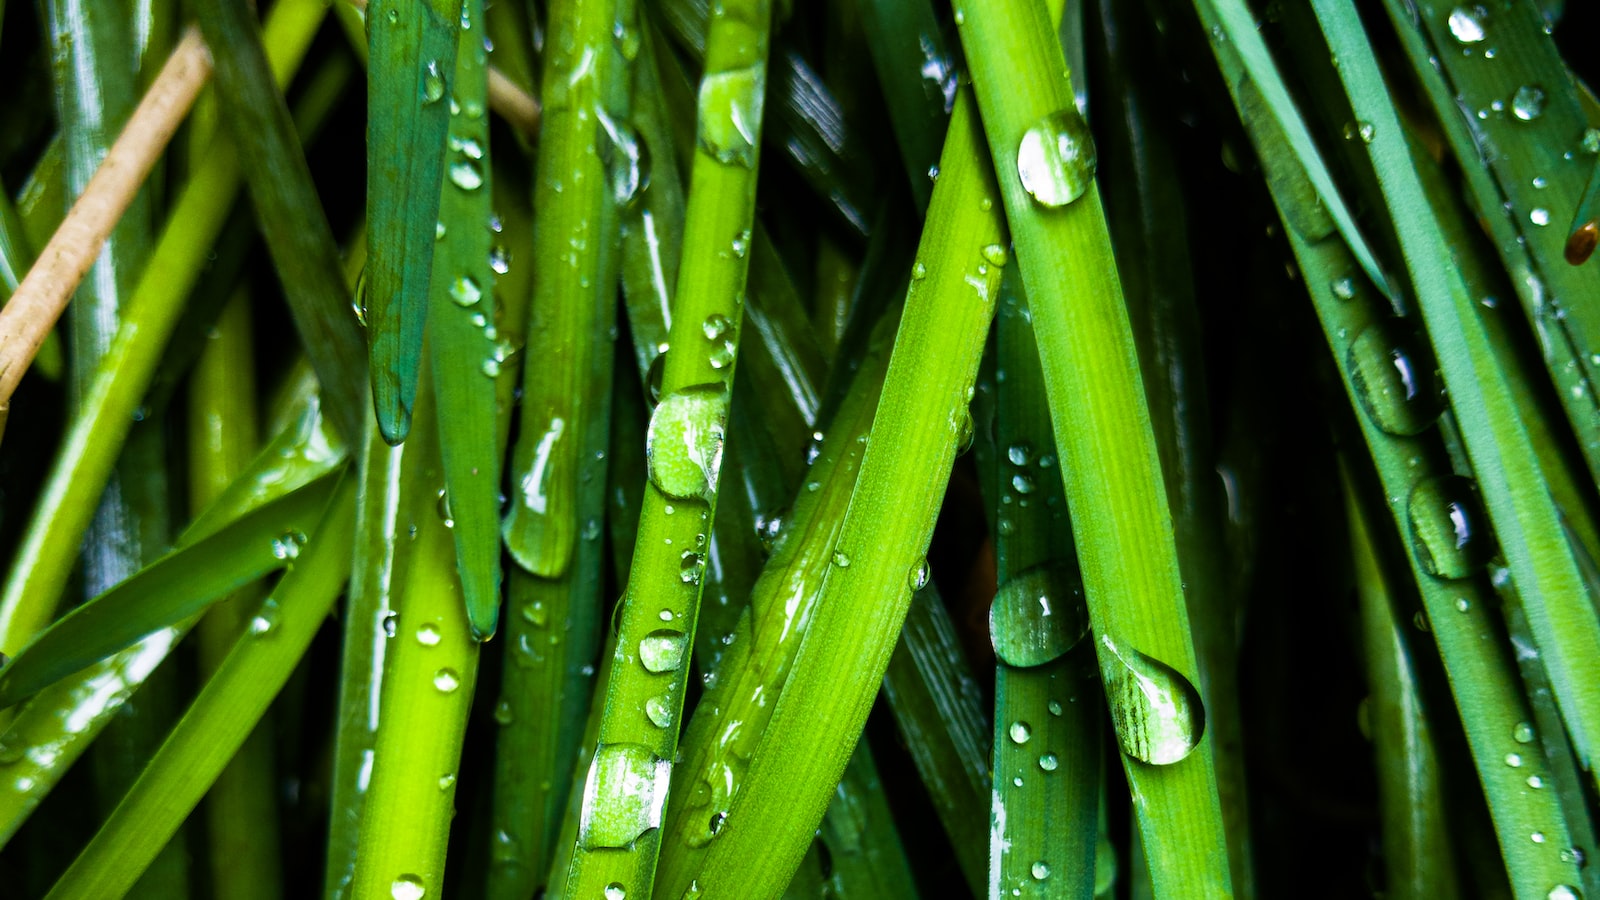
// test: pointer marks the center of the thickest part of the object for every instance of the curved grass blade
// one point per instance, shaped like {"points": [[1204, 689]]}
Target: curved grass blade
{"points": [[170, 590], [1047, 709], [881, 546], [1110, 466], [1503, 459], [286, 203], [88, 451], [865, 857], [221, 717], [684, 455], [589, 166], [463, 342], [411, 48]]}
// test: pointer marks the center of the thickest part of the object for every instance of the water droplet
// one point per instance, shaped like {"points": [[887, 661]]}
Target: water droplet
{"points": [[428, 635], [1591, 141], [432, 82], [1157, 713], [741, 243], [683, 445], [390, 625], [1056, 159], [1466, 23], [1537, 837], [1049, 762], [615, 891], [407, 887], [1344, 288], [1395, 378], [1055, 707], [1037, 616], [490, 367], [438, 231], [659, 711], [1362, 131], [1535, 782], [1020, 732], [841, 559], [1463, 604], [1449, 530], [1019, 453], [265, 619], [919, 272], [730, 104], [715, 326], [963, 430], [662, 651], [1573, 855], [499, 260], [446, 680], [1514, 760], [919, 575], [623, 795], [288, 544], [1041, 870], [1539, 216], [448, 780], [466, 146], [995, 254], [465, 291], [466, 175], [1523, 733], [1563, 892], [626, 159], [692, 564], [1527, 103], [1022, 484], [503, 714]]}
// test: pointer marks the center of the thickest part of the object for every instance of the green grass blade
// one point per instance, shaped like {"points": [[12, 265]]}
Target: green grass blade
{"points": [[883, 540], [683, 454], [172, 589], [865, 857], [412, 52], [1584, 233], [463, 340], [1109, 461], [1507, 468], [589, 166], [286, 203], [919, 76], [89, 450], [221, 717]]}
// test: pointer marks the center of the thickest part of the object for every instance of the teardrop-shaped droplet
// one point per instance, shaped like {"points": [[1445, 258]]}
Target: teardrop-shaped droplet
{"points": [[1527, 103], [1037, 616], [1056, 159], [432, 82], [623, 795], [683, 445], [919, 575], [662, 651], [1156, 711], [1449, 529], [1395, 378], [730, 104], [626, 159]]}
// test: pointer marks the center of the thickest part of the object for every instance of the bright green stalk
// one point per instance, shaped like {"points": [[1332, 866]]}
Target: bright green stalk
{"points": [[589, 166], [1503, 459], [882, 543], [1109, 461], [221, 717], [89, 450], [463, 339], [619, 839], [430, 670], [412, 53]]}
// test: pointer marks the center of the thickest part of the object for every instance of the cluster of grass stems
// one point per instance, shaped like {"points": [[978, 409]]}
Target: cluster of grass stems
{"points": [[883, 448]]}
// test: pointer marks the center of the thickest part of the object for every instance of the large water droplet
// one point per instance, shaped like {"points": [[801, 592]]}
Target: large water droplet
{"points": [[1157, 713], [1041, 870], [730, 104], [1539, 216], [622, 796], [683, 446], [1527, 103], [1563, 892], [662, 651], [1056, 159], [1037, 616], [1395, 378], [432, 82], [407, 887], [615, 891], [1466, 23], [1020, 732], [1449, 529]]}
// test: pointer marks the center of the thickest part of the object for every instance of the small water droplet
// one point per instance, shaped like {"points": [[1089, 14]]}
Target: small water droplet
{"points": [[1535, 782], [535, 614], [741, 243], [623, 795], [683, 445], [919, 272], [1344, 288], [1037, 616], [1523, 733], [919, 575], [716, 326], [447, 781], [446, 680], [1022, 484], [1055, 707], [1362, 131], [730, 105], [1019, 453], [1537, 837], [407, 887], [1527, 103], [1449, 529], [662, 651], [466, 175], [1041, 870], [1056, 159], [1157, 713], [1514, 760], [499, 260], [659, 711], [432, 82], [1563, 892], [691, 565], [1395, 378], [1539, 216], [265, 619], [1020, 732], [1466, 24], [288, 544], [428, 635], [615, 891], [438, 231], [503, 714], [841, 559], [465, 291], [995, 254], [1049, 762]]}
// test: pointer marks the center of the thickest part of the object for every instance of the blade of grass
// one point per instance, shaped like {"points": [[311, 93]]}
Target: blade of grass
{"points": [[588, 167], [412, 53], [221, 717], [919, 76], [83, 465], [883, 540], [683, 455], [865, 857], [463, 340], [1109, 461]]}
